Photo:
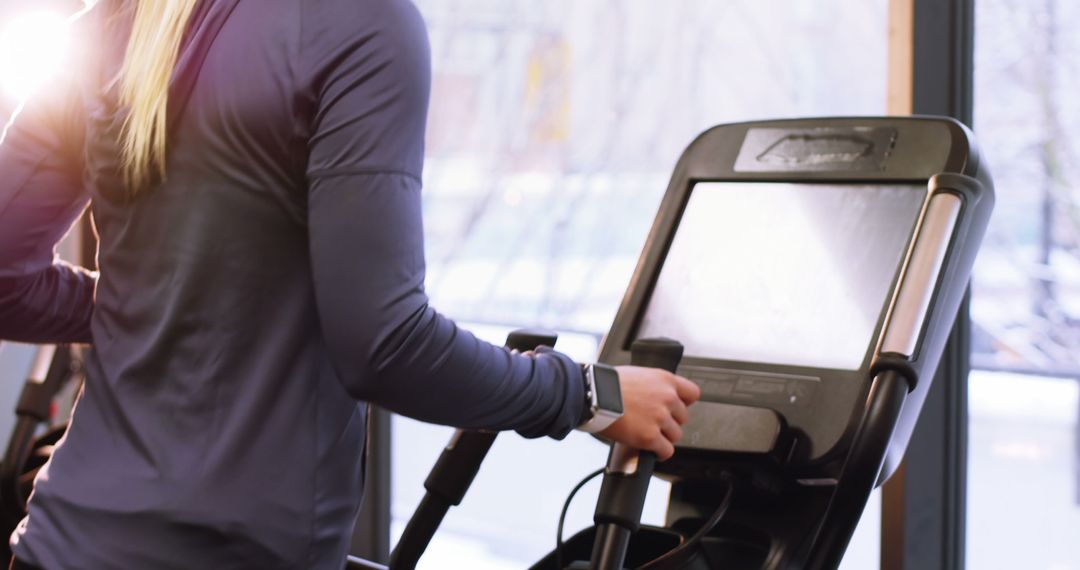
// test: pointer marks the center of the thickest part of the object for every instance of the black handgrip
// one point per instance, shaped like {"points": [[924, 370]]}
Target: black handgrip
{"points": [[665, 354], [626, 480], [32, 410], [36, 399], [625, 484], [529, 339], [660, 352]]}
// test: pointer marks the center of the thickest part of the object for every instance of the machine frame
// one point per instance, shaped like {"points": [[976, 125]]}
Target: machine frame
{"points": [[901, 143]]}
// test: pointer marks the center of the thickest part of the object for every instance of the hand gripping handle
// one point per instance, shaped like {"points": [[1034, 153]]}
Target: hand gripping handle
{"points": [[626, 479]]}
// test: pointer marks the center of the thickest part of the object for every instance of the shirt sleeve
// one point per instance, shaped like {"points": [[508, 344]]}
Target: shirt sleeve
{"points": [[388, 345], [42, 299]]}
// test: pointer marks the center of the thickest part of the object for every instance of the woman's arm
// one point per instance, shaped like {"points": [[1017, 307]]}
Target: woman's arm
{"points": [[390, 347], [387, 344], [42, 299]]}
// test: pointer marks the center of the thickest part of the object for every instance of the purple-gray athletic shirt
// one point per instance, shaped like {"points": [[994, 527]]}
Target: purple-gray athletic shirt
{"points": [[253, 301]]}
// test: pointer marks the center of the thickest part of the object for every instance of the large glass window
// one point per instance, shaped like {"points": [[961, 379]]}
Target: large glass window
{"points": [[554, 129], [1024, 495], [556, 125]]}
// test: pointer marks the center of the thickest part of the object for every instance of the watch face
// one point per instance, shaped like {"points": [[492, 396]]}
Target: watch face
{"points": [[608, 393]]}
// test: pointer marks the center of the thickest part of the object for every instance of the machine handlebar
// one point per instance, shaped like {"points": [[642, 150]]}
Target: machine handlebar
{"points": [[629, 470]]}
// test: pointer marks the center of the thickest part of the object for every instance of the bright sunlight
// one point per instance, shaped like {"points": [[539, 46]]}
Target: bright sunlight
{"points": [[33, 49]]}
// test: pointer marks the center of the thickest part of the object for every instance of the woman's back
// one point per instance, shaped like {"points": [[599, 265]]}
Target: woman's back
{"points": [[213, 431]]}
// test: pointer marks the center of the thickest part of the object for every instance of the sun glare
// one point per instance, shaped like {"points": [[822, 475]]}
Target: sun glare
{"points": [[33, 49]]}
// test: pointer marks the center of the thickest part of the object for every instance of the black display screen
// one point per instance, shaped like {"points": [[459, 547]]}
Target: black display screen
{"points": [[782, 273]]}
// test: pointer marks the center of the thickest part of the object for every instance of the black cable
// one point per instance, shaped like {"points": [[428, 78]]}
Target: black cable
{"points": [[683, 550], [562, 516]]}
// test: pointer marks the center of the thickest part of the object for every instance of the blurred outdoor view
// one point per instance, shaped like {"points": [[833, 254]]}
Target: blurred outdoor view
{"points": [[1024, 476], [556, 125]]}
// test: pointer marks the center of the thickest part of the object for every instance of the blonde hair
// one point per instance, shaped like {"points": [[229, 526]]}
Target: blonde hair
{"points": [[152, 52]]}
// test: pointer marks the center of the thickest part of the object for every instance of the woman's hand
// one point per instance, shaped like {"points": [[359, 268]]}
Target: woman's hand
{"points": [[654, 409]]}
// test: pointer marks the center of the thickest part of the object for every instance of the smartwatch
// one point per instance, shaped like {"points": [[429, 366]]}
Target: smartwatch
{"points": [[603, 398]]}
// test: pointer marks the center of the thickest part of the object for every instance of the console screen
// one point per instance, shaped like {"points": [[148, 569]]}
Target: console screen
{"points": [[795, 274]]}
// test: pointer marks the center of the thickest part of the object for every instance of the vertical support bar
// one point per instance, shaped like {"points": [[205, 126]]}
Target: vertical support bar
{"points": [[901, 55], [943, 63], [371, 537], [87, 242], [924, 504], [884, 404]]}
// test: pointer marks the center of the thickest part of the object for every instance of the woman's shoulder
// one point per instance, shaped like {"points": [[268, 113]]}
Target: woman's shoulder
{"points": [[357, 19], [362, 36]]}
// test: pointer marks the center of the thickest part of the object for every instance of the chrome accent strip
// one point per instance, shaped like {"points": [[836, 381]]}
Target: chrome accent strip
{"points": [[454, 439], [711, 371], [42, 359], [921, 275], [826, 482], [623, 459]]}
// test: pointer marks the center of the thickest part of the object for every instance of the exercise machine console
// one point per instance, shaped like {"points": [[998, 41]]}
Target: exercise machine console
{"points": [[812, 270], [806, 274]]}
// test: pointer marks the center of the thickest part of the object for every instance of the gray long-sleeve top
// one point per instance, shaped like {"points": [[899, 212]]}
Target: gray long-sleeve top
{"points": [[250, 303]]}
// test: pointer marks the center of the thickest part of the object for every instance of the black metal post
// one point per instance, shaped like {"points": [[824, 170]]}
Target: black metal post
{"points": [[626, 478], [861, 471], [924, 504], [371, 537]]}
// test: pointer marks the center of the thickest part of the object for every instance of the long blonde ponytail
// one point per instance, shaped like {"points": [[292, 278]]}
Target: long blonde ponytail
{"points": [[151, 56]]}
